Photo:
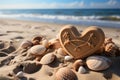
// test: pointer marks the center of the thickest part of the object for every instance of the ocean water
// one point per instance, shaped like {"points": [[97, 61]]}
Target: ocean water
{"points": [[97, 17]]}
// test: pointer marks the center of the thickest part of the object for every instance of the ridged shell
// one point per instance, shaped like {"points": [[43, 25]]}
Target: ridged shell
{"points": [[55, 43], [65, 74], [77, 64], [47, 59], [68, 58], [25, 44], [81, 70], [98, 63], [45, 43], [37, 50]]}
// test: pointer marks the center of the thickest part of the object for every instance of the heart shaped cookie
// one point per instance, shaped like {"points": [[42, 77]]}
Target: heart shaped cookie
{"points": [[81, 45]]}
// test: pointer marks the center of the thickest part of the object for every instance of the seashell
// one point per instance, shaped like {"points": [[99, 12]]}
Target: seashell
{"points": [[68, 58], [47, 59], [77, 64], [37, 50], [61, 52], [39, 38], [111, 49], [65, 74], [35, 42], [25, 44], [20, 74], [82, 70], [45, 43], [31, 66], [55, 43], [98, 63]]}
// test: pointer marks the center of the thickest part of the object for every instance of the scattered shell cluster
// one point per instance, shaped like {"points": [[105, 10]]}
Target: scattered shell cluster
{"points": [[39, 47]]}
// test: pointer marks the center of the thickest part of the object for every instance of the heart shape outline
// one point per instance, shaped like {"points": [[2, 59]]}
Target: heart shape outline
{"points": [[81, 45]]}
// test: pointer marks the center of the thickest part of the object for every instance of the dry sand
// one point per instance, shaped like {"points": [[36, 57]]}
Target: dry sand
{"points": [[13, 32]]}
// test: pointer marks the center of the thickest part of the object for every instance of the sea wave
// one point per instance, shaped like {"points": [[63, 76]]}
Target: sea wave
{"points": [[61, 17]]}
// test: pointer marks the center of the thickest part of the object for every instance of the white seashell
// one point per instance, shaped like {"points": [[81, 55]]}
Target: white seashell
{"points": [[37, 50], [98, 63], [45, 43], [26, 44], [20, 74], [68, 58], [81, 70], [47, 59], [77, 64]]}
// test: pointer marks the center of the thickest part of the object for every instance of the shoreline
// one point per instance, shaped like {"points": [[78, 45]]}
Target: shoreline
{"points": [[16, 31]]}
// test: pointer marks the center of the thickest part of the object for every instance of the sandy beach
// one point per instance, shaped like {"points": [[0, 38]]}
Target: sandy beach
{"points": [[14, 32]]}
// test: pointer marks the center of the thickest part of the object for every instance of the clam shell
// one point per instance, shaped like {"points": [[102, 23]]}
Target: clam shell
{"points": [[65, 74], [82, 70], [45, 43], [37, 50], [25, 44], [77, 64], [68, 58], [98, 63], [47, 59]]}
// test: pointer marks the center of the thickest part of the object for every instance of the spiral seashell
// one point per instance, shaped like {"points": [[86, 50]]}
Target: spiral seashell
{"points": [[47, 59], [81, 70], [37, 50], [98, 63], [25, 44], [45, 43], [77, 64], [65, 74], [55, 43]]}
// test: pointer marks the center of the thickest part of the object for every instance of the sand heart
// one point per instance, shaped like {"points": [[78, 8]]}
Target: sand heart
{"points": [[81, 45]]}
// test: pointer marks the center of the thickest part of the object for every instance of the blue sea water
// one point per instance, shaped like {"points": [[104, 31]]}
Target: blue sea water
{"points": [[97, 17]]}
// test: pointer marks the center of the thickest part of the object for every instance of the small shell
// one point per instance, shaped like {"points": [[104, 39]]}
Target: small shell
{"points": [[65, 74], [98, 63], [111, 49], [77, 64], [39, 38], [82, 70], [45, 43], [68, 58], [55, 43], [47, 59], [37, 50], [61, 52], [35, 42], [20, 74], [25, 44]]}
